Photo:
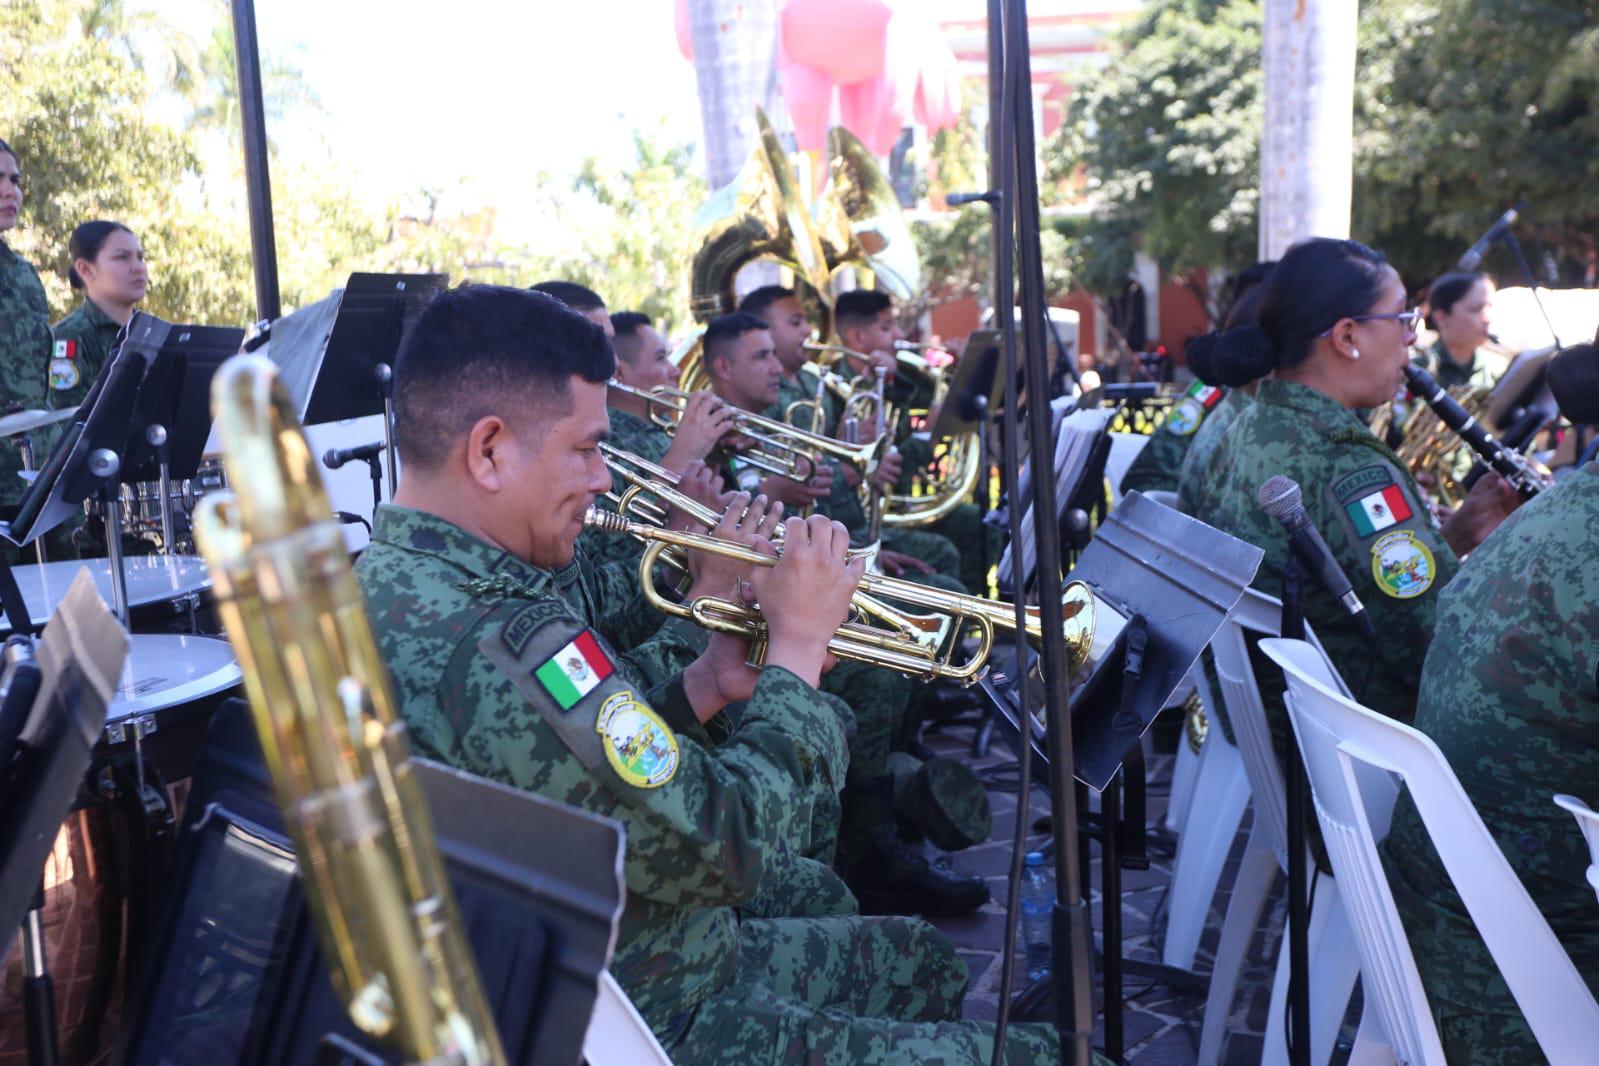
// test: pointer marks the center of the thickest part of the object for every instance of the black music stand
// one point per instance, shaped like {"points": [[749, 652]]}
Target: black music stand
{"points": [[538, 886], [355, 372], [1173, 580], [172, 415]]}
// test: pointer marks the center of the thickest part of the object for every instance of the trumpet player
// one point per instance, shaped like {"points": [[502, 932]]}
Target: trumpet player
{"points": [[500, 407], [886, 875]]}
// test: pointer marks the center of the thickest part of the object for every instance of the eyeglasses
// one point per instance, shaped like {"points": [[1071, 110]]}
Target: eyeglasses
{"points": [[1409, 319]]}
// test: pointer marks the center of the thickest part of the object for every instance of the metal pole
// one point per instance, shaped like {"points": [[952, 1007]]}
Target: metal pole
{"points": [[1073, 929], [263, 245], [996, 108]]}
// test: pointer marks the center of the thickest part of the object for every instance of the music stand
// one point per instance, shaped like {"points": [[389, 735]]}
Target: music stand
{"points": [[1167, 583], [172, 414], [976, 391], [354, 375]]}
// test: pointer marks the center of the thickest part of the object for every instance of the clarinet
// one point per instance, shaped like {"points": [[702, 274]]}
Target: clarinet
{"points": [[1507, 463]]}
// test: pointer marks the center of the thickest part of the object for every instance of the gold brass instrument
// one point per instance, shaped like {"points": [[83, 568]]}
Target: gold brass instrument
{"points": [[1077, 599], [1428, 447], [860, 222], [1526, 476], [336, 747]]}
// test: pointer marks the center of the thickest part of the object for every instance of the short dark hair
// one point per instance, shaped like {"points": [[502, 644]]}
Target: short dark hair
{"points": [[488, 349], [86, 242], [577, 297], [859, 307], [1448, 290], [723, 332], [8, 150], [757, 301], [627, 342]]}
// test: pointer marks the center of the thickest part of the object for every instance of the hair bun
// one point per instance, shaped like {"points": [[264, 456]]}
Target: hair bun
{"points": [[1243, 354], [1202, 356]]}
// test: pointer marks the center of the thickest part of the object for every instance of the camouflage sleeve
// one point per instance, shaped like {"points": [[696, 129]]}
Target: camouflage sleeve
{"points": [[621, 612], [557, 715], [916, 455], [1384, 538], [1157, 465]]}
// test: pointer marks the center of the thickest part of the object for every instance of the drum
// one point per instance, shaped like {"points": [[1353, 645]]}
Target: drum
{"points": [[163, 590], [103, 879]]}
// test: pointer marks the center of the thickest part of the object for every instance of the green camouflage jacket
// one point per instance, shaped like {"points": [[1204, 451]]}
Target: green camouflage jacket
{"points": [[84, 341], [496, 675], [24, 356], [802, 387], [1157, 466], [1366, 507], [1510, 693], [1485, 369], [1204, 445]]}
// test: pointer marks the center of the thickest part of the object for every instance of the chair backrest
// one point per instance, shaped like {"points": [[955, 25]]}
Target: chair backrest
{"points": [[1352, 755], [1588, 820], [1257, 614]]}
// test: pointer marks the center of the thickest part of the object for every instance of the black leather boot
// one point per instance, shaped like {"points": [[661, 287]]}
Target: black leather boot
{"points": [[889, 876]]}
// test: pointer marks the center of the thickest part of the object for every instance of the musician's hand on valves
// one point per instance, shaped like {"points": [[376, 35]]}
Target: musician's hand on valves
{"points": [[705, 421], [1489, 502], [895, 563], [888, 470], [704, 486], [797, 494], [806, 596], [746, 522]]}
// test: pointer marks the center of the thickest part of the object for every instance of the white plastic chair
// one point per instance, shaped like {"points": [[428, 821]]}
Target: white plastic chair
{"points": [[617, 1034], [1588, 820], [1355, 759], [1334, 965]]}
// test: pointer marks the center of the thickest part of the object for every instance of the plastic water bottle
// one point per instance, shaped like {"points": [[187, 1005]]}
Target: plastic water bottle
{"points": [[1038, 905]]}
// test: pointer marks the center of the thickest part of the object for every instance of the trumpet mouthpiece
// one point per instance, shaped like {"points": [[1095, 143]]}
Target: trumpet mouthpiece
{"points": [[605, 521]]}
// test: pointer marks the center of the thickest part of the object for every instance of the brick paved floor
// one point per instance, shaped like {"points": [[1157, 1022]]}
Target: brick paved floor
{"points": [[1161, 1024]]}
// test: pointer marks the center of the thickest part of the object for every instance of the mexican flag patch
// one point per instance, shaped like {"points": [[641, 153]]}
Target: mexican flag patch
{"points": [[575, 670], [1208, 395], [1376, 512], [66, 349]]}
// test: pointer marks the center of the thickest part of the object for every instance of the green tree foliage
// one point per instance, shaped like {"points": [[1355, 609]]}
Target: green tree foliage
{"points": [[1167, 142], [1466, 107]]}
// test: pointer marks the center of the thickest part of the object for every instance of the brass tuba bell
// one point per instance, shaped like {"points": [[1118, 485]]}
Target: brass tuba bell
{"points": [[860, 221]]}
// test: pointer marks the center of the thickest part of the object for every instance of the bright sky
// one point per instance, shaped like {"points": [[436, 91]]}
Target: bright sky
{"points": [[490, 91]]}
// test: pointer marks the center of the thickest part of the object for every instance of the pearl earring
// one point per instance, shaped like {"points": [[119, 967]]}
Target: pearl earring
{"points": [[1354, 353]]}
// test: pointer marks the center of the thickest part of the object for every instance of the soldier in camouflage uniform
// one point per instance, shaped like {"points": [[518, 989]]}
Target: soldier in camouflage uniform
{"points": [[24, 333], [1510, 694], [1334, 329], [1159, 464], [886, 876], [1459, 307], [496, 675], [108, 268]]}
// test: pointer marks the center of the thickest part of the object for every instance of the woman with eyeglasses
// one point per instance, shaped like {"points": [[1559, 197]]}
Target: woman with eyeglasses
{"points": [[1333, 335], [24, 329]]}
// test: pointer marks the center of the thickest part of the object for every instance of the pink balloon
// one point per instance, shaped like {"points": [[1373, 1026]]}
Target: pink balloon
{"points": [[685, 35], [870, 110], [843, 39], [809, 94]]}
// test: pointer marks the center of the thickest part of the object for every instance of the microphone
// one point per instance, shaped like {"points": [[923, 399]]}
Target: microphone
{"points": [[1280, 497], [956, 199], [1475, 253], [337, 457]]}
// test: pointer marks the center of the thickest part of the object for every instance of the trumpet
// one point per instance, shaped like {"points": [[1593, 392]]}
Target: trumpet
{"points": [[1077, 599], [338, 752]]}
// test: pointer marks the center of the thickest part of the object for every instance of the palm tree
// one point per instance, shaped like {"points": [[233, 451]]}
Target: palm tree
{"points": [[735, 63], [165, 52], [216, 103]]}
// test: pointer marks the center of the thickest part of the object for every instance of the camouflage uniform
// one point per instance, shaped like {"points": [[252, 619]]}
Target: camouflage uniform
{"points": [[1204, 445], [1510, 693], [84, 341], [497, 676], [647, 441], [1485, 368], [1157, 466], [1367, 508], [24, 358]]}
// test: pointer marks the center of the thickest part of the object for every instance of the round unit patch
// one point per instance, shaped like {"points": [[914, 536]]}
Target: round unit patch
{"points": [[1402, 565], [1185, 418], [638, 745], [64, 374]]}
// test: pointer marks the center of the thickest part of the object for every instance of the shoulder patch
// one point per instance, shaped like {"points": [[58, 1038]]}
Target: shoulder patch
{"points": [[1361, 482], [638, 745], [1402, 566], [1185, 419], [521, 626]]}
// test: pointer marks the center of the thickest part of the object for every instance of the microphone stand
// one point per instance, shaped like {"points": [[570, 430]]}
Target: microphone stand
{"points": [[1532, 282], [1293, 628]]}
